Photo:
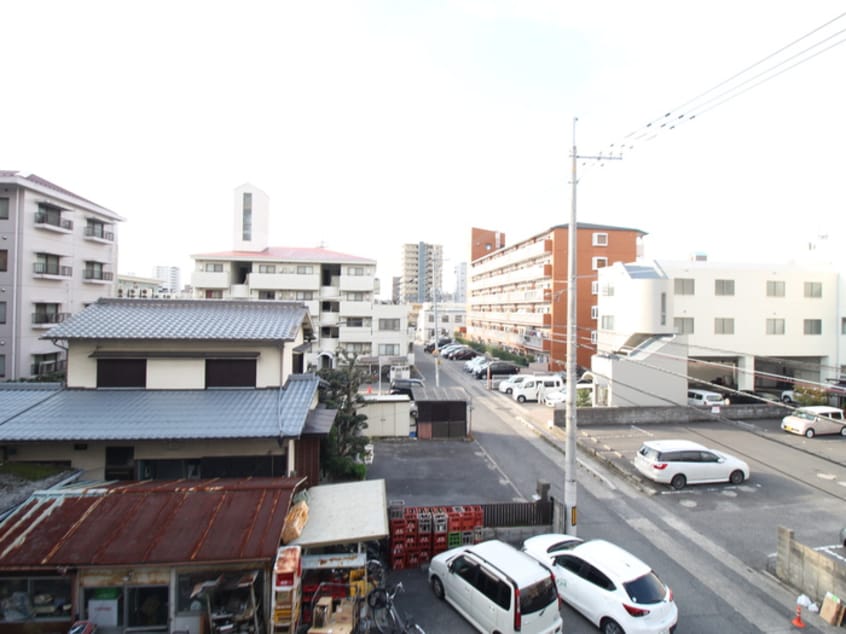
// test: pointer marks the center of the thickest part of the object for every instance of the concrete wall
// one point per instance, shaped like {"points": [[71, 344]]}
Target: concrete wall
{"points": [[809, 571], [669, 415]]}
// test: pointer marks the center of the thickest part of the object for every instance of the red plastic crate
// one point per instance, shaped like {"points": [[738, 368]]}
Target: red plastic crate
{"points": [[398, 562]]}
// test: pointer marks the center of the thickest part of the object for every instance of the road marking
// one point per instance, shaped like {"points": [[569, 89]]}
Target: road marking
{"points": [[826, 476], [504, 480], [643, 431], [736, 595]]}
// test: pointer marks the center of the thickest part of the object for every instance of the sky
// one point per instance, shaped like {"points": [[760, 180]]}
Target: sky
{"points": [[375, 123]]}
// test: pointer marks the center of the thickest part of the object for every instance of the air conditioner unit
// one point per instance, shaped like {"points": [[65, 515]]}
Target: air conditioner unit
{"points": [[46, 367]]}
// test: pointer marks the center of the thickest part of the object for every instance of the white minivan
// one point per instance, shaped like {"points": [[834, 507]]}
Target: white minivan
{"points": [[535, 388], [498, 588]]}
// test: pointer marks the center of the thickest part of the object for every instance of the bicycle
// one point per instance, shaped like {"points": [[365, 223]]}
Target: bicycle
{"points": [[384, 615]]}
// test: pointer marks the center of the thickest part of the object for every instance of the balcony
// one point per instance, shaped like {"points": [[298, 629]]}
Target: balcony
{"points": [[51, 222], [357, 283], [357, 334], [210, 280], [93, 276], [51, 270], [96, 233], [48, 320], [330, 292], [329, 319], [43, 368], [239, 291], [284, 281]]}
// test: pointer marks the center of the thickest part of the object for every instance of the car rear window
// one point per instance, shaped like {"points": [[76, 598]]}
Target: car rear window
{"points": [[646, 589], [648, 452], [538, 596]]}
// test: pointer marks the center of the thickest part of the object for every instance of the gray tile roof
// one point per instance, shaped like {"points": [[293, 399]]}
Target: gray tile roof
{"points": [[90, 415], [18, 397], [198, 320]]}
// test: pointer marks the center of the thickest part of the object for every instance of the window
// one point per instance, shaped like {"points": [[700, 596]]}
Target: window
{"points": [[459, 319], [356, 271], [723, 287], [213, 267], [46, 264], [723, 326], [304, 296], [267, 294], [358, 348], [247, 217], [594, 312], [813, 326], [389, 349], [357, 296], [683, 325], [2, 365], [46, 314], [303, 269], [843, 325], [4, 260], [663, 309], [121, 373], [4, 208], [147, 606], [813, 289], [44, 364], [216, 294], [593, 337], [608, 322], [598, 262], [594, 287], [267, 268], [600, 239], [389, 324], [97, 229], [38, 598], [430, 318], [2, 312], [94, 271], [684, 286], [775, 288], [444, 319], [230, 373], [775, 326], [608, 291], [355, 322]]}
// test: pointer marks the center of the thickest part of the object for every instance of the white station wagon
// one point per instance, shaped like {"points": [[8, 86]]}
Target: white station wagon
{"points": [[815, 419]]}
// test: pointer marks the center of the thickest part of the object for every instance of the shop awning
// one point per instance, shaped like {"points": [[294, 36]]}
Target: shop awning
{"points": [[345, 513]]}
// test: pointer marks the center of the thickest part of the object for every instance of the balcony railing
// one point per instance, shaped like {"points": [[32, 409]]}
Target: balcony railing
{"points": [[102, 276], [42, 218], [47, 367], [52, 268], [93, 231], [39, 319]]}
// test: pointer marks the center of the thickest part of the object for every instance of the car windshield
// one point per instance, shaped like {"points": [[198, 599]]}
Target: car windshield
{"points": [[646, 589], [538, 596], [805, 415]]}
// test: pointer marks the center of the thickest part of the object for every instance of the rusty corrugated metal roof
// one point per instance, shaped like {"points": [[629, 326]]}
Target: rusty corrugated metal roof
{"points": [[149, 522]]}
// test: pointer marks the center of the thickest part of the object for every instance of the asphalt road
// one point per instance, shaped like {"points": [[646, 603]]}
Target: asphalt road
{"points": [[705, 543]]}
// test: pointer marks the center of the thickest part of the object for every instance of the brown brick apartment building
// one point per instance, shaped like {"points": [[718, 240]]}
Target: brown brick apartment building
{"points": [[518, 293]]}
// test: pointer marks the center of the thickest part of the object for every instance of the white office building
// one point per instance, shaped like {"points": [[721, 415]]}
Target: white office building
{"points": [[340, 290]]}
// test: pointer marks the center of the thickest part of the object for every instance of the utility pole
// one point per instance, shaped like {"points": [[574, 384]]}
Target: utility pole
{"points": [[570, 488]]}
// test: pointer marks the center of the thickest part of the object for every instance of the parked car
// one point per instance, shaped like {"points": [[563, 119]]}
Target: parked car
{"points": [[843, 536], [497, 368], [506, 386], [815, 419], [609, 586], [464, 355], [475, 363], [405, 386], [497, 588], [447, 349], [456, 352], [705, 398], [749, 397], [681, 462], [559, 397], [443, 341], [536, 387], [788, 396]]}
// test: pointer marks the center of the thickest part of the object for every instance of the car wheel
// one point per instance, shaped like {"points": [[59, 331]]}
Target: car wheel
{"points": [[521, 399], [786, 399], [736, 477], [678, 481], [843, 431], [438, 587], [508, 391], [610, 626], [810, 433]]}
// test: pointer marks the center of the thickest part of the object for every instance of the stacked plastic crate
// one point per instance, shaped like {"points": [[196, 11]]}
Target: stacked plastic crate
{"points": [[419, 532]]}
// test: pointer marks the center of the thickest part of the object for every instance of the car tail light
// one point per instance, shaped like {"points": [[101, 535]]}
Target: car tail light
{"points": [[518, 617], [660, 466], [669, 595], [635, 611]]}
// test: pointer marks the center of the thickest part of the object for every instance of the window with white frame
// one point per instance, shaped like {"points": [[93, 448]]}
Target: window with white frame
{"points": [[594, 312], [775, 326], [459, 319], [607, 322], [305, 269], [213, 267], [267, 268], [4, 208], [356, 271], [594, 287], [358, 347], [775, 288], [683, 325], [813, 289], [813, 326], [723, 325], [600, 239], [723, 287], [389, 349], [389, 324], [599, 262], [684, 286], [593, 337]]}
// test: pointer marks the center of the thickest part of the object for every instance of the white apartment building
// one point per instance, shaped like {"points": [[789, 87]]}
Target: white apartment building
{"points": [[170, 277], [58, 253], [444, 319], [339, 290], [753, 326], [422, 272]]}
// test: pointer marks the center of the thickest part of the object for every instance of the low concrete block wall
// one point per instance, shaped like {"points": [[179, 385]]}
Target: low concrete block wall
{"points": [[670, 415], [811, 572]]}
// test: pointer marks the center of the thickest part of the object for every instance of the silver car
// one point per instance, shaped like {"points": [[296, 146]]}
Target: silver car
{"points": [[682, 462]]}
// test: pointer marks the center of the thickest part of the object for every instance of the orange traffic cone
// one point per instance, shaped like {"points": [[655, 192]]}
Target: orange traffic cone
{"points": [[797, 620]]}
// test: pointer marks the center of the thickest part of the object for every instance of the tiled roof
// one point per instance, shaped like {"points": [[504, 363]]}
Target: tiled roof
{"points": [[150, 522], [289, 254], [198, 320], [18, 397], [89, 415]]}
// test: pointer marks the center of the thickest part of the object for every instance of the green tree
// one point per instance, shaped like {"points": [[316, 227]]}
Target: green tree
{"points": [[344, 447], [807, 395]]}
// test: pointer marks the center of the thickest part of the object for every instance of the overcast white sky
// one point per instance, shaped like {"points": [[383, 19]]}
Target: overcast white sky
{"points": [[375, 123]]}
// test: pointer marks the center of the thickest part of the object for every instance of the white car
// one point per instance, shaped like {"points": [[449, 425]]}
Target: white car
{"points": [[609, 586], [506, 386], [681, 462], [815, 419]]}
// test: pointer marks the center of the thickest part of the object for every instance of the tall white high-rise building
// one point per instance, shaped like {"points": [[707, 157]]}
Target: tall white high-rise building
{"points": [[422, 272], [170, 277]]}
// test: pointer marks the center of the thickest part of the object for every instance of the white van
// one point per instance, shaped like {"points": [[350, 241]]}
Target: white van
{"points": [[705, 398], [535, 389], [498, 588]]}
